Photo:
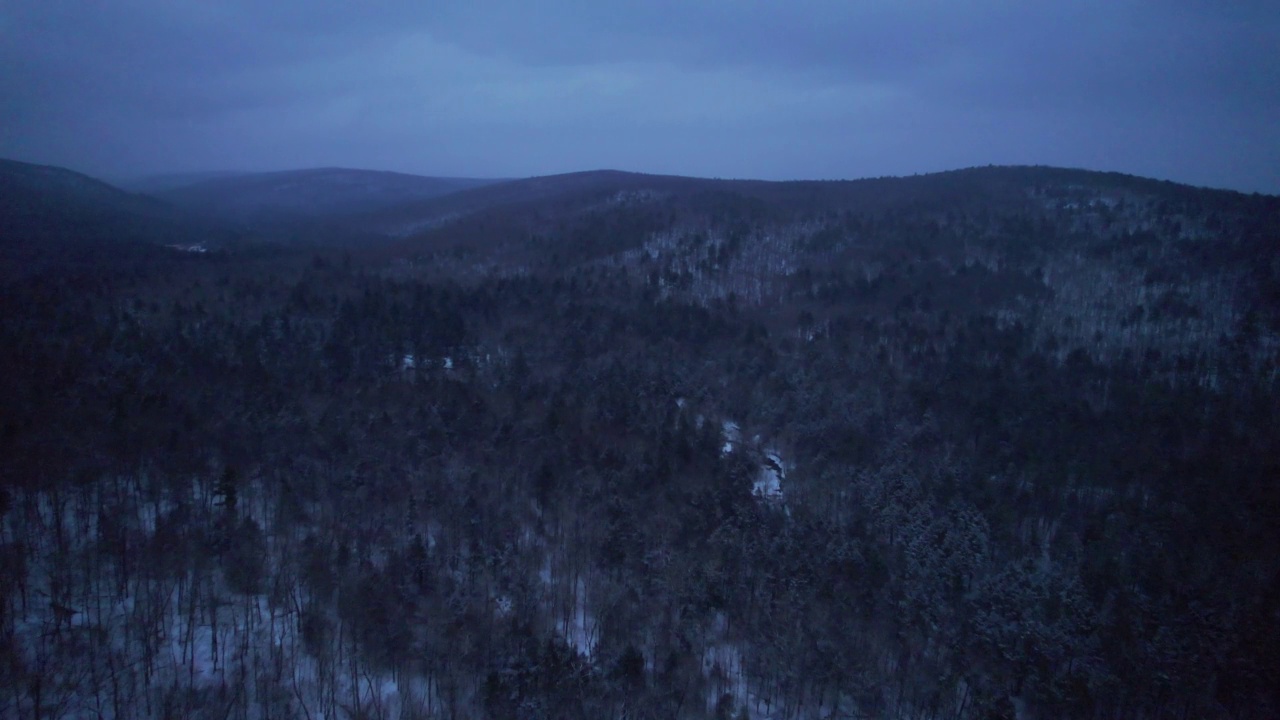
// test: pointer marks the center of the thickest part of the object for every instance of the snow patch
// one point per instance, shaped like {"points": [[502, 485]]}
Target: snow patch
{"points": [[768, 484], [504, 604], [732, 436], [582, 631], [722, 667]]}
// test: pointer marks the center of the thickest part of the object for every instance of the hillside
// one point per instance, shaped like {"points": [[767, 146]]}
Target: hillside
{"points": [[993, 443], [51, 215], [557, 193], [1119, 263]]}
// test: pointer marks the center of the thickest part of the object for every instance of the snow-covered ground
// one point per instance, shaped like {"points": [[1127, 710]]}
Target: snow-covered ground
{"points": [[732, 436], [409, 361], [582, 631], [576, 624], [110, 644], [113, 642], [768, 485]]}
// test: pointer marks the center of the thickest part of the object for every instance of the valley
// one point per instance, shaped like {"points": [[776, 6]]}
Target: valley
{"points": [[992, 443]]}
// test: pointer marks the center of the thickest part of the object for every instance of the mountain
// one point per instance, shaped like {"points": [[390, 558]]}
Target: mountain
{"points": [[43, 192], [1044, 192], [302, 194], [51, 214], [992, 443], [1122, 264], [556, 195], [1073, 203]]}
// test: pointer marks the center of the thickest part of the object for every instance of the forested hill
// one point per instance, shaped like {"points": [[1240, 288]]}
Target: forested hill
{"points": [[995, 443], [52, 219]]}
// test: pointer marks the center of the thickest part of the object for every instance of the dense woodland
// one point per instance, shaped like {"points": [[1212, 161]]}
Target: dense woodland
{"points": [[991, 444]]}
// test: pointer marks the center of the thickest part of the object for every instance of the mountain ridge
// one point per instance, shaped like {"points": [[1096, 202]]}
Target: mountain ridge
{"points": [[51, 215], [309, 192], [404, 219]]}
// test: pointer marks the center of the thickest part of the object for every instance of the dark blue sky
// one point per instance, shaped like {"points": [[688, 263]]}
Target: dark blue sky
{"points": [[1187, 90]]}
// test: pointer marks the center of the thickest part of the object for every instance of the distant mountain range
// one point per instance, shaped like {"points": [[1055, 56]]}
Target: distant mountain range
{"points": [[550, 195], [51, 212], [589, 213], [582, 216], [319, 192]]}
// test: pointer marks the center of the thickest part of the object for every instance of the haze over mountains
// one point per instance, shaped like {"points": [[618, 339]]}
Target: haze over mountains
{"points": [[307, 193]]}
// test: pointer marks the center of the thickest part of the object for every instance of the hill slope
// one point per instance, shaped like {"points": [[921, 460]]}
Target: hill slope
{"points": [[50, 215], [554, 195], [1138, 263], [987, 444]]}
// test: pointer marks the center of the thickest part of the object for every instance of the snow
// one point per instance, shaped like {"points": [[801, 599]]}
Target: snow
{"points": [[732, 436], [722, 666], [576, 625], [189, 248], [503, 604], [768, 484], [222, 637], [582, 631], [410, 361], [200, 638]]}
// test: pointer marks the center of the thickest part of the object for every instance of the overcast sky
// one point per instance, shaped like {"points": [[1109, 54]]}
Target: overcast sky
{"points": [[1180, 89]]}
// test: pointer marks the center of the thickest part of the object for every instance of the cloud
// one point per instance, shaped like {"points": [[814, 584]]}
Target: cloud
{"points": [[713, 87]]}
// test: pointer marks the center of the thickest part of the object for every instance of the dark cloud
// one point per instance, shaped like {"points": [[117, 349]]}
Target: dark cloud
{"points": [[1185, 89]]}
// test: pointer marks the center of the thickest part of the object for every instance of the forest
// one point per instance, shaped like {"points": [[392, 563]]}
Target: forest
{"points": [[993, 444]]}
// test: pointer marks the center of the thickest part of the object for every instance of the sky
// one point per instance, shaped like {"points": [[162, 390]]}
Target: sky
{"points": [[1187, 90]]}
